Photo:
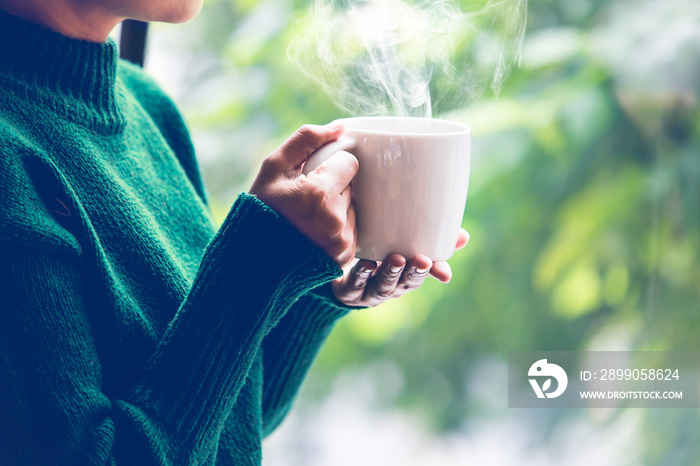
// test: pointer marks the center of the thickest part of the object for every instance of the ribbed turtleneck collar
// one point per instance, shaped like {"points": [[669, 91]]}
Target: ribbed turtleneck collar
{"points": [[74, 77]]}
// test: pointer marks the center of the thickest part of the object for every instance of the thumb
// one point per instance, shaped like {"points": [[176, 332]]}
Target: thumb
{"points": [[306, 140]]}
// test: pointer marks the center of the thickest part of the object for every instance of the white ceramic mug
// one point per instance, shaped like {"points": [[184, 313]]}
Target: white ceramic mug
{"points": [[411, 188]]}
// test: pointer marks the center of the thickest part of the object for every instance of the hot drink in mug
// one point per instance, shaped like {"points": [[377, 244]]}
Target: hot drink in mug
{"points": [[411, 187]]}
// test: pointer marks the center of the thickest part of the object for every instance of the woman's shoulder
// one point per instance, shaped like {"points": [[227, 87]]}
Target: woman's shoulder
{"points": [[166, 116]]}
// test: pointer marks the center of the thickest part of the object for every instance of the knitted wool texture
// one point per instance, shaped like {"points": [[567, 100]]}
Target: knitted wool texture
{"points": [[131, 330]]}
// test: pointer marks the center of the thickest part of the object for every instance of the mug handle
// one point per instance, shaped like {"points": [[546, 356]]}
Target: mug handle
{"points": [[325, 152]]}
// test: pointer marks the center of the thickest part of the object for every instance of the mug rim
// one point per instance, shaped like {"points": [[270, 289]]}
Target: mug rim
{"points": [[459, 127]]}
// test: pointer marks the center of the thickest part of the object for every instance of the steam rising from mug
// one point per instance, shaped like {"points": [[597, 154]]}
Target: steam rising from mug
{"points": [[387, 57]]}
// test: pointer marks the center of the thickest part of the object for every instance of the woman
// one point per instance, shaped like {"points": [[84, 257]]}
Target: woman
{"points": [[133, 332]]}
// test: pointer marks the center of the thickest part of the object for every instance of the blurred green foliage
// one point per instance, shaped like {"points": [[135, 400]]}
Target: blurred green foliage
{"points": [[584, 204]]}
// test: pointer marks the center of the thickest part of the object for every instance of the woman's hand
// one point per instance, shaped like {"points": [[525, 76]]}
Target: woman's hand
{"points": [[318, 204], [370, 283]]}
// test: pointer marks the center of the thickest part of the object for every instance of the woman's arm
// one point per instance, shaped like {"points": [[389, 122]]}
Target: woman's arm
{"points": [[290, 348], [54, 410]]}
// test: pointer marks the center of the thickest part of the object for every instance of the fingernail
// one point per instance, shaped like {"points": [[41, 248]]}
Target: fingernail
{"points": [[395, 268], [422, 270]]}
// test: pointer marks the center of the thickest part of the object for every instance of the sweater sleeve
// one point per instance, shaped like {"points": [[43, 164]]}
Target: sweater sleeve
{"points": [[53, 407], [290, 348]]}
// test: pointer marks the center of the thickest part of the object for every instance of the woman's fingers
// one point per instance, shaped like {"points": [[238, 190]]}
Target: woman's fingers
{"points": [[346, 195], [304, 142], [336, 173], [350, 237], [442, 271], [462, 238], [350, 288], [414, 274], [383, 284], [371, 283]]}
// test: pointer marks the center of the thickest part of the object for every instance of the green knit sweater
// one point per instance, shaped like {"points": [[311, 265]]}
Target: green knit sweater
{"points": [[131, 330]]}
